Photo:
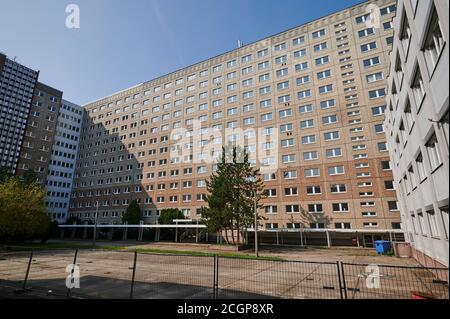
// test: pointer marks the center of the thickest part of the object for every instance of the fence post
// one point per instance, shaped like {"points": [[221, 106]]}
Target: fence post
{"points": [[340, 280], [73, 269], [133, 275], [343, 280], [24, 287], [216, 277]]}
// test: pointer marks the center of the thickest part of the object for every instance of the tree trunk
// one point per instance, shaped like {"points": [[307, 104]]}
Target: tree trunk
{"points": [[226, 235], [232, 233], [238, 232]]}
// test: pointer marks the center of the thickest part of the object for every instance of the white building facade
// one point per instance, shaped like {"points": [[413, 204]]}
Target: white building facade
{"points": [[417, 126], [62, 163]]}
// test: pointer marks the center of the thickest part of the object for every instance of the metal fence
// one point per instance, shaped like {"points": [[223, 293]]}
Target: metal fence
{"points": [[120, 274]]}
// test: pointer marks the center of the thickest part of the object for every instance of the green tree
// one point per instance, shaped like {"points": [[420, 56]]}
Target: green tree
{"points": [[233, 190], [22, 212], [73, 219], [168, 215], [132, 214], [5, 173], [28, 177]]}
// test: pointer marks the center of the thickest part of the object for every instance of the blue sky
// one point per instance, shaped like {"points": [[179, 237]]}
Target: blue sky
{"points": [[123, 43]]}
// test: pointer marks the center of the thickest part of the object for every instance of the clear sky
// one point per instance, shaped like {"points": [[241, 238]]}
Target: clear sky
{"points": [[122, 43]]}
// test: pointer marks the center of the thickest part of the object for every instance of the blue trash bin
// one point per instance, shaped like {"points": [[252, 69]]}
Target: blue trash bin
{"points": [[382, 246]]}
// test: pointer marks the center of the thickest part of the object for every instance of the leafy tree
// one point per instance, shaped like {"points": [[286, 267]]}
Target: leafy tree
{"points": [[132, 214], [22, 211], [28, 177], [5, 173], [72, 220], [233, 190], [168, 215]]}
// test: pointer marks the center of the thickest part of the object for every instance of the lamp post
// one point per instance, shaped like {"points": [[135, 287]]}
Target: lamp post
{"points": [[256, 223], [95, 226]]}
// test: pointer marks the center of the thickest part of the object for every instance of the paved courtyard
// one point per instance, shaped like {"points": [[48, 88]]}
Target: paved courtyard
{"points": [[309, 273]]}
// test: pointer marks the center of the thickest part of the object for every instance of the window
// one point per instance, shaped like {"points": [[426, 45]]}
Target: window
{"points": [[313, 190], [327, 104], [315, 208], [285, 113], [342, 226], [270, 209], [434, 42], [318, 34], [291, 191], [336, 170], [368, 46], [362, 18], [378, 110], [288, 158], [382, 146], [408, 116], [309, 139], [263, 53], [323, 74], [299, 53], [389, 185], [371, 62], [290, 174], [432, 220], [421, 168], [306, 108], [329, 136], [388, 25], [298, 41], [322, 60], [365, 32], [280, 46], [433, 152], [287, 142], [374, 77], [302, 80], [379, 128], [418, 88], [389, 40], [330, 119], [303, 94], [320, 47], [445, 220], [338, 188], [387, 10], [333, 152], [340, 207], [246, 58], [386, 165], [325, 89], [375, 94], [309, 156], [282, 72], [307, 124], [292, 209], [301, 66], [312, 172], [393, 205]]}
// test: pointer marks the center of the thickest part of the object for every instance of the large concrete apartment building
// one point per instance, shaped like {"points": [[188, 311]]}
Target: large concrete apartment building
{"points": [[417, 126], [38, 132], [61, 167], [17, 84], [316, 95]]}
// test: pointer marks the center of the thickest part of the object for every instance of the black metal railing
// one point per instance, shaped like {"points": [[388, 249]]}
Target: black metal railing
{"points": [[126, 274]]}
